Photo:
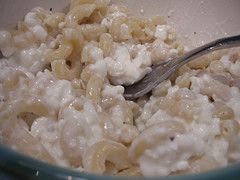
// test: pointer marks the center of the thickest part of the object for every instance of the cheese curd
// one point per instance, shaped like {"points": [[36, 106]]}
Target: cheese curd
{"points": [[124, 70], [61, 95]]}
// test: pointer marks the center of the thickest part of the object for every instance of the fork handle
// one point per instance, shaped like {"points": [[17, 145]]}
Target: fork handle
{"points": [[218, 44]]}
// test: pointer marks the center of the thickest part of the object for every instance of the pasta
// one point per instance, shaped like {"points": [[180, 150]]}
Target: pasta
{"points": [[62, 71], [76, 15], [93, 89], [158, 132], [61, 95], [95, 157], [106, 44], [64, 51], [14, 133], [33, 105], [53, 20], [92, 32]]}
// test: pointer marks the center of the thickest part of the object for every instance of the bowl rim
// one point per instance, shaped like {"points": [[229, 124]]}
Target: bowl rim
{"points": [[22, 165]]}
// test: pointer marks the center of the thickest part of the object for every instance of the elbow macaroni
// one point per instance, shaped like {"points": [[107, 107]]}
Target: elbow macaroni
{"points": [[96, 156], [61, 95], [64, 51]]}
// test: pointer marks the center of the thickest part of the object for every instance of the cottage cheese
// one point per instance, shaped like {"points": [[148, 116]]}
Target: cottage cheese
{"points": [[61, 96]]}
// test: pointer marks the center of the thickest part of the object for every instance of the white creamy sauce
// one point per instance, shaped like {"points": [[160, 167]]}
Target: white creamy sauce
{"points": [[40, 33], [113, 91], [6, 44], [56, 92], [162, 31], [170, 156], [31, 19], [124, 70]]}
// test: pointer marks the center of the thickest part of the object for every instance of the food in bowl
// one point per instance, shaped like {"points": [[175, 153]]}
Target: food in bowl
{"points": [[61, 90]]}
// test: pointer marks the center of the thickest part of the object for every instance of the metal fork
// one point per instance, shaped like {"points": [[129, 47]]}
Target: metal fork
{"points": [[163, 71]]}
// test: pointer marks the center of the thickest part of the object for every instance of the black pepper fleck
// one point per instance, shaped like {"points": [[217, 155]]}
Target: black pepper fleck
{"points": [[51, 9], [211, 99], [69, 63], [172, 138], [2, 100]]}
